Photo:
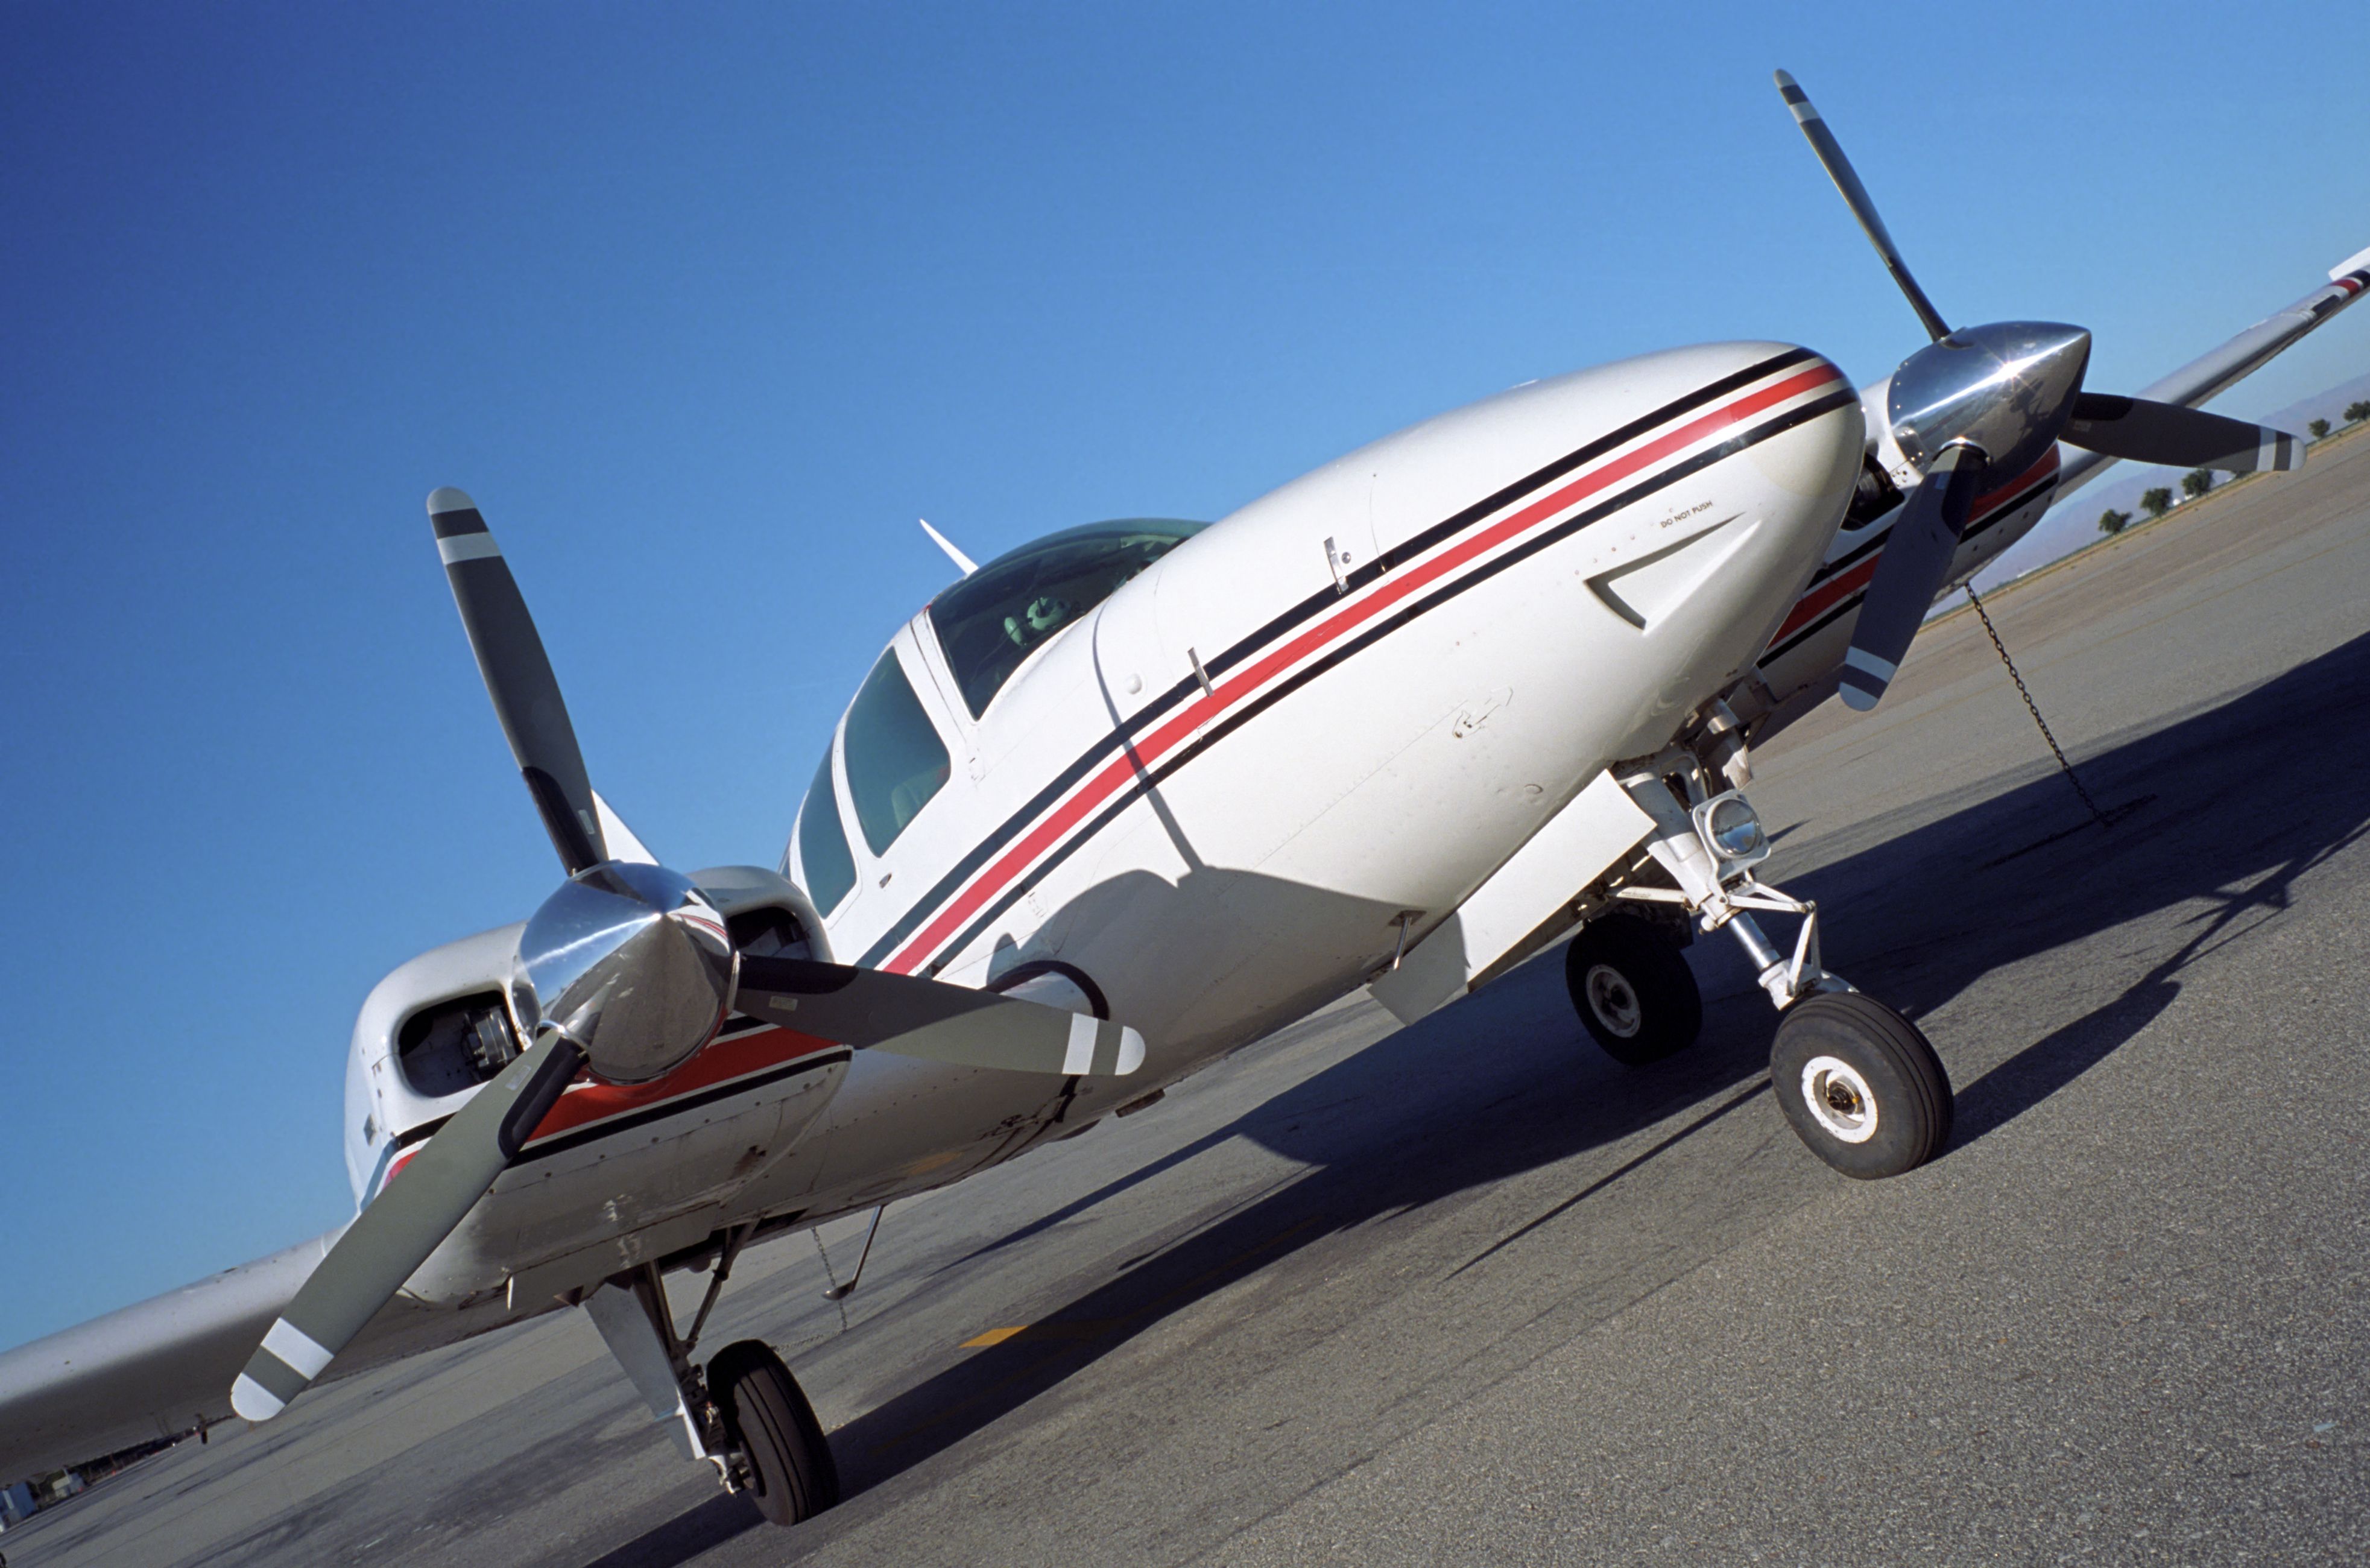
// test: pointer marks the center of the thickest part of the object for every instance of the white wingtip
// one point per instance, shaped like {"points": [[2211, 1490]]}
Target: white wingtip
{"points": [[2353, 263], [445, 498]]}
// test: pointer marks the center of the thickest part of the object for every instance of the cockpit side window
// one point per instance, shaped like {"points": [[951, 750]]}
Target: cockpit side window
{"points": [[991, 621], [895, 760], [824, 856]]}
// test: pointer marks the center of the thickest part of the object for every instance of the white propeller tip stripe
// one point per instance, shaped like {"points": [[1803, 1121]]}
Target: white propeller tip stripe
{"points": [[297, 1348], [445, 498], [466, 547], [1131, 1052], [253, 1402], [1861, 658], [1079, 1056]]}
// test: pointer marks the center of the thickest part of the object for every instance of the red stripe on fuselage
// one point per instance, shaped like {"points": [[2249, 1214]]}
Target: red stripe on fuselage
{"points": [[1390, 591], [586, 1103]]}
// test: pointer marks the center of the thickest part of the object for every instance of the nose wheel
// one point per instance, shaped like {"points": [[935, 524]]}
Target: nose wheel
{"points": [[1632, 988], [1860, 1085]]}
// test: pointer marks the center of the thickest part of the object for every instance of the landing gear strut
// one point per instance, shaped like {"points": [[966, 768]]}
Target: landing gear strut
{"points": [[1859, 1083], [745, 1415]]}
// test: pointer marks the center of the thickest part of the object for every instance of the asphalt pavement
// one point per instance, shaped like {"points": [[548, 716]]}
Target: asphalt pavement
{"points": [[1469, 1293]]}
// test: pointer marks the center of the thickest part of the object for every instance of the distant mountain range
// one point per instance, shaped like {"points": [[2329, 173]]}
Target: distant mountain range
{"points": [[2068, 528]]}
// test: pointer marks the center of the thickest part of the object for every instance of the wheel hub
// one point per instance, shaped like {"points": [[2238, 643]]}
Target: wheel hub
{"points": [[1839, 1099], [1614, 1001]]}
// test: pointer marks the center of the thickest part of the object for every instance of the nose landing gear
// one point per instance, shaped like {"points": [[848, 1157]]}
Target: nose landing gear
{"points": [[1857, 1082], [746, 1415]]}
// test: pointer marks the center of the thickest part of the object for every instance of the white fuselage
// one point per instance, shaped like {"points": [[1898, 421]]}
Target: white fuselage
{"points": [[1303, 735]]}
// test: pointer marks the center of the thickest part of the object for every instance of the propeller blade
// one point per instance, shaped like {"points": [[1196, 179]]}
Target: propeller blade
{"points": [[907, 1016], [410, 1217], [1910, 573], [519, 678], [2143, 432], [1839, 169]]}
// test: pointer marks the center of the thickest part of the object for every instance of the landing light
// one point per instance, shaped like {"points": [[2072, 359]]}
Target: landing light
{"points": [[1730, 830]]}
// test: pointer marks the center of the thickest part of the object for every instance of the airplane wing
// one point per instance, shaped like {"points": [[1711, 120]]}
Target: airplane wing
{"points": [[151, 1370], [2221, 368]]}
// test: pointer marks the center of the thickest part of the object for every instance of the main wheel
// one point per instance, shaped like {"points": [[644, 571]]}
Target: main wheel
{"points": [[767, 1418], [1632, 988], [1860, 1085]]}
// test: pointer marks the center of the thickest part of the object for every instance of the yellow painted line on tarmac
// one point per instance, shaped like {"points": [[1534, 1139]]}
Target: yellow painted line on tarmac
{"points": [[1074, 1331]]}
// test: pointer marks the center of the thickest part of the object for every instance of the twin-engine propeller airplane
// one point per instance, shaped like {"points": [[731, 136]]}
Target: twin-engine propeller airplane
{"points": [[1402, 723]]}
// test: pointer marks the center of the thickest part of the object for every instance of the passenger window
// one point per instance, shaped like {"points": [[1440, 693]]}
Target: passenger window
{"points": [[895, 760], [824, 856]]}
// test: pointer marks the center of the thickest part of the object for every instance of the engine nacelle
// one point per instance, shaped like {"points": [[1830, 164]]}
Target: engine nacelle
{"points": [[445, 1022]]}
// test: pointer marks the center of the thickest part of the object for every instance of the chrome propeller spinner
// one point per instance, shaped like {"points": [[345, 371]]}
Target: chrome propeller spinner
{"points": [[1978, 407], [632, 965]]}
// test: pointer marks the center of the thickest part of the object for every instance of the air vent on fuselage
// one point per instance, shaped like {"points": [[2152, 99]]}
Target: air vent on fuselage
{"points": [[456, 1044]]}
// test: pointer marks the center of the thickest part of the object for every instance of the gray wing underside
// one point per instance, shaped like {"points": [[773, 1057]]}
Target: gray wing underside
{"points": [[164, 1366], [152, 1369]]}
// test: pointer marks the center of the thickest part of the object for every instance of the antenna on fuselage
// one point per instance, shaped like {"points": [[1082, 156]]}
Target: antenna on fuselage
{"points": [[963, 562]]}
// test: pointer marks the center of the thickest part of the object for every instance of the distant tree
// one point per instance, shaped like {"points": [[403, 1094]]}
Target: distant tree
{"points": [[2157, 503], [2357, 412], [2113, 522], [2196, 482], [2320, 428]]}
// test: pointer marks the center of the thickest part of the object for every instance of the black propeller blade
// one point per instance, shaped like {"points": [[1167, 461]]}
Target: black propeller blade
{"points": [[1910, 573], [907, 1016], [519, 678], [1991, 401], [1856, 196], [2143, 432], [407, 1222]]}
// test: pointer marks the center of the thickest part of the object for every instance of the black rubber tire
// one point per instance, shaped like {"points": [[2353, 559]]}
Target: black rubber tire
{"points": [[1632, 960], [1906, 1088], [767, 1417]]}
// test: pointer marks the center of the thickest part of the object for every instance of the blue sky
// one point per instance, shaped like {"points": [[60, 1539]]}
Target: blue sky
{"points": [[706, 305]]}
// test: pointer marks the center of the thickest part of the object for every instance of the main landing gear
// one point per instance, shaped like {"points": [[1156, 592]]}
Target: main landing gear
{"points": [[745, 1415], [1856, 1080]]}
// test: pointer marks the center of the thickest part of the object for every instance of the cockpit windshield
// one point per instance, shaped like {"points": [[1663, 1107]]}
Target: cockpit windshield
{"points": [[991, 621]]}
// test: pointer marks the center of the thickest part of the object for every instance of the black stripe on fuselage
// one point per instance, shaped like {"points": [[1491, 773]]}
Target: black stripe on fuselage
{"points": [[1149, 780], [1298, 614]]}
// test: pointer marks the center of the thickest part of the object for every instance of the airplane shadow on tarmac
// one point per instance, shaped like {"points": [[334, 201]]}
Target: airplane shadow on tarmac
{"points": [[1916, 914]]}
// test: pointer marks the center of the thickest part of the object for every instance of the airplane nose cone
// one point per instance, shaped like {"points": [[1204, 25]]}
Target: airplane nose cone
{"points": [[2005, 388]]}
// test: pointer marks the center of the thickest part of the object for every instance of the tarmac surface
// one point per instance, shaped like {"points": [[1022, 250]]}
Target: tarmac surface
{"points": [[1470, 1293]]}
